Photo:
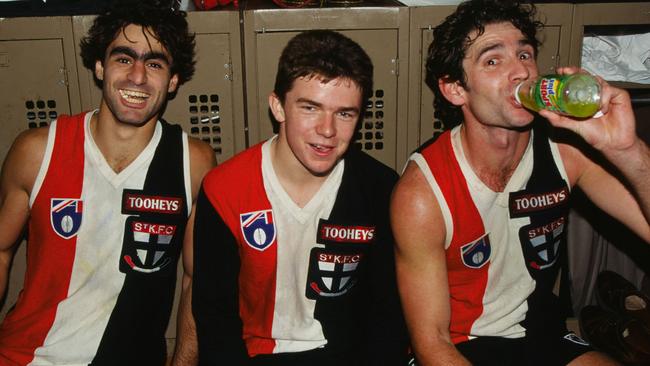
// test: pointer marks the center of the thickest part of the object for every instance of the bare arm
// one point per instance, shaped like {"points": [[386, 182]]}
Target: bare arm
{"points": [[186, 352], [614, 135], [419, 232], [202, 159], [16, 180]]}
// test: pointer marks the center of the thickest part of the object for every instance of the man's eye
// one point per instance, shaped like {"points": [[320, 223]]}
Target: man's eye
{"points": [[491, 62], [155, 65], [525, 56], [123, 60]]}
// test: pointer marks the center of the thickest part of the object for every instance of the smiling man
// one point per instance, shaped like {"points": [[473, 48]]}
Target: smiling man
{"points": [[480, 213], [105, 195], [293, 259]]}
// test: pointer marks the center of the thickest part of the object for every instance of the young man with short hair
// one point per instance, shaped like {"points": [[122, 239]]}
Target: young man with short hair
{"points": [[293, 253]]}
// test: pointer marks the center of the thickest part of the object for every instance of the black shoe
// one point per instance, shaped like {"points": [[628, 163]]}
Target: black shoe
{"points": [[627, 340], [619, 295]]}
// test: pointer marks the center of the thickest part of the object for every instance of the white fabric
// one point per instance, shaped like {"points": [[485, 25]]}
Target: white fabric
{"points": [[618, 58], [294, 327]]}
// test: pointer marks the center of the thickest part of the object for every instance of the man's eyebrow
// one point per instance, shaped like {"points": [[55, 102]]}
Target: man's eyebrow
{"points": [[151, 55], [487, 49], [309, 101]]}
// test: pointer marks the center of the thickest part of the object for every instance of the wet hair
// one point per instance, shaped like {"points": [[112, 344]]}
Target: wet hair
{"points": [[166, 24], [451, 39], [324, 54]]}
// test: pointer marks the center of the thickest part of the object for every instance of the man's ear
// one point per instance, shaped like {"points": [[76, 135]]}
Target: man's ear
{"points": [[276, 107], [452, 91], [173, 83], [99, 70]]}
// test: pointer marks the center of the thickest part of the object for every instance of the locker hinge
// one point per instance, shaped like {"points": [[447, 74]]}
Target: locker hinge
{"points": [[64, 76], [395, 70], [556, 62], [228, 75]]}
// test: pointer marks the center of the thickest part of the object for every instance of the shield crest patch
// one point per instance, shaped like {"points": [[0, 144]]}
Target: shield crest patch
{"points": [[332, 272], [148, 246], [65, 216], [476, 254], [258, 229]]}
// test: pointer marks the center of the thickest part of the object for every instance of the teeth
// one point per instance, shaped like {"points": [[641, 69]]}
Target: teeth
{"points": [[133, 96]]}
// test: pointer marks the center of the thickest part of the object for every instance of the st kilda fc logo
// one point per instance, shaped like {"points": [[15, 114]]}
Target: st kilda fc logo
{"points": [[542, 242], [147, 246], [258, 229], [332, 272], [65, 216]]}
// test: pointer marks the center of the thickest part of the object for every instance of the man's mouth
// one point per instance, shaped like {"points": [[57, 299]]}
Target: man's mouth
{"points": [[133, 96], [321, 148]]}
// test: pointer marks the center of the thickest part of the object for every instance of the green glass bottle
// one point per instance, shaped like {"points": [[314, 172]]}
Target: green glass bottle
{"points": [[576, 95]]}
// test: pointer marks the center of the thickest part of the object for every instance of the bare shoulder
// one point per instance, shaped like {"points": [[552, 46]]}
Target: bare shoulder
{"points": [[414, 208], [202, 159], [412, 193], [24, 158]]}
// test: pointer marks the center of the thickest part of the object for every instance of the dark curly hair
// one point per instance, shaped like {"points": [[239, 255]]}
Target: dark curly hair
{"points": [[451, 39], [168, 26], [326, 54]]}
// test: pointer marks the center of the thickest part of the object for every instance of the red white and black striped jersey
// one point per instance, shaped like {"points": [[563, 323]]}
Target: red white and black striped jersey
{"points": [[502, 248], [101, 253], [325, 284]]}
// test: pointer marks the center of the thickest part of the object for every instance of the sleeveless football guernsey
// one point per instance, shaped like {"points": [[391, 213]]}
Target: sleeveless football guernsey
{"points": [[278, 281], [502, 248], [101, 253]]}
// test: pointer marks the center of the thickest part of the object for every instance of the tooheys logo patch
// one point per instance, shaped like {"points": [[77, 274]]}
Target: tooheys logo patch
{"points": [[329, 233], [134, 202], [522, 204]]}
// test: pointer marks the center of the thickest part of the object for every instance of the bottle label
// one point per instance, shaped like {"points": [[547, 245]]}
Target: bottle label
{"points": [[548, 91]]}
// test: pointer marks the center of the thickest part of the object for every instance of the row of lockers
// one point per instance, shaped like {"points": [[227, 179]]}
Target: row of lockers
{"points": [[42, 76], [225, 104]]}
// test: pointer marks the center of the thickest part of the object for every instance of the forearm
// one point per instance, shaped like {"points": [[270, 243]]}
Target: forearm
{"points": [[439, 353], [186, 351], [5, 264], [634, 164]]}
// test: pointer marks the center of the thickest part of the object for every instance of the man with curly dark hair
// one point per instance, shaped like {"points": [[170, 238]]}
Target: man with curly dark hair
{"points": [[106, 195], [480, 213]]}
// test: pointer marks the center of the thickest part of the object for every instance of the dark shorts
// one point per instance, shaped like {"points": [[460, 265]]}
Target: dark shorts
{"points": [[533, 350]]}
